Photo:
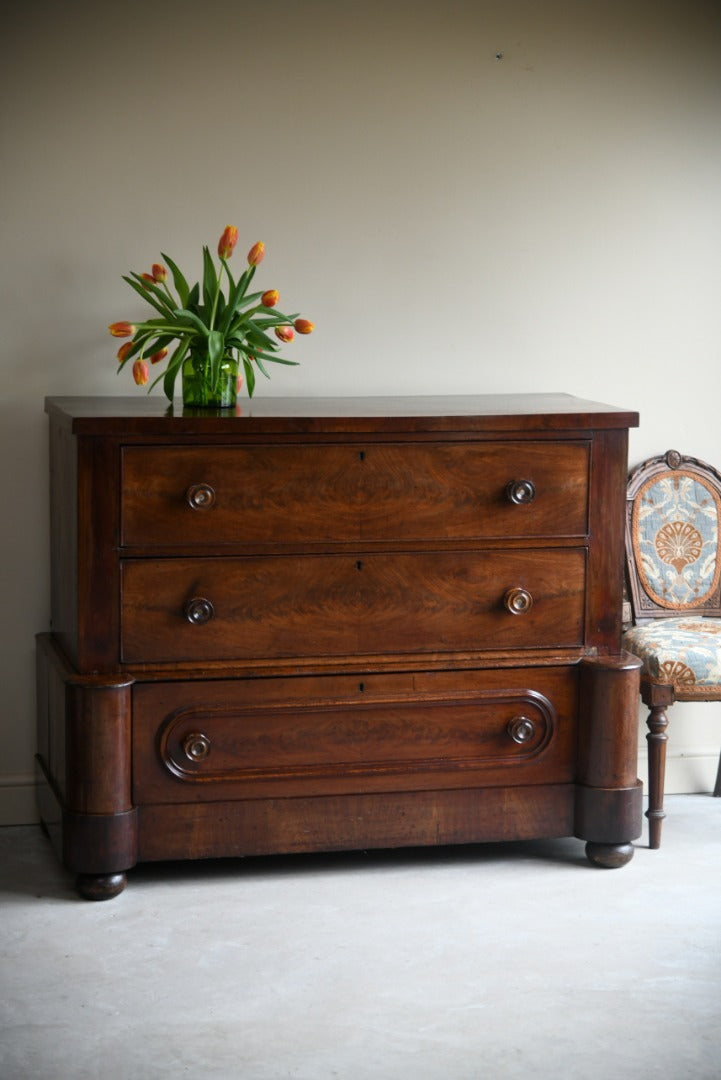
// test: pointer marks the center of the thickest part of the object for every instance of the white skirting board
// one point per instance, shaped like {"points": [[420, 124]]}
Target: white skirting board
{"points": [[18, 803]]}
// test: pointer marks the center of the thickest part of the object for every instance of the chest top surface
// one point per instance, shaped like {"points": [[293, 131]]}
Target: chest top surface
{"points": [[486, 413]]}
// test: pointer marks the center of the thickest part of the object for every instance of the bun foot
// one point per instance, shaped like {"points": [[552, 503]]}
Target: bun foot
{"points": [[609, 856], [100, 886]]}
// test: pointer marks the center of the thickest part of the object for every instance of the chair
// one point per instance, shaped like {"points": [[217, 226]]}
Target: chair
{"points": [[673, 521]]}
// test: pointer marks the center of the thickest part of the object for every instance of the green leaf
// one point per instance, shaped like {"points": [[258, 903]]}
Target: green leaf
{"points": [[249, 375], [181, 285], [277, 359], [261, 366], [193, 297], [210, 278], [194, 320], [174, 365], [146, 295]]}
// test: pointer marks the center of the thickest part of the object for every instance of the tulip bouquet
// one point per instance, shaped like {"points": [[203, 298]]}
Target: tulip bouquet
{"points": [[214, 331]]}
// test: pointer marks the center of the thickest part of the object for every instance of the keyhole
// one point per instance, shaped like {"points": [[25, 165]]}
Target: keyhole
{"points": [[359, 565], [362, 455]]}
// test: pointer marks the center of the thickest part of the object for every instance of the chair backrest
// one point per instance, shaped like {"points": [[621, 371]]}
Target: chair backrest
{"points": [[673, 521]]}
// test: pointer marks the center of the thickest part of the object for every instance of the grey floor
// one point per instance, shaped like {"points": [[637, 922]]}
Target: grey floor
{"points": [[496, 961]]}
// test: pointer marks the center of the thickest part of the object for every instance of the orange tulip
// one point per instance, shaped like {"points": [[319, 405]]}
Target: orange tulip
{"points": [[124, 350], [304, 326], [270, 298], [256, 253], [158, 356], [160, 274], [122, 329], [148, 277], [227, 241], [285, 333], [141, 372]]}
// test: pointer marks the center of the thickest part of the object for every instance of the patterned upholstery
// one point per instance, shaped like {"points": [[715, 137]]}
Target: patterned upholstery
{"points": [[684, 653], [675, 530]]}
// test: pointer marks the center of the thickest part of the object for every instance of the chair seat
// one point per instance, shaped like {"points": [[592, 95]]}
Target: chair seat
{"points": [[684, 653]]}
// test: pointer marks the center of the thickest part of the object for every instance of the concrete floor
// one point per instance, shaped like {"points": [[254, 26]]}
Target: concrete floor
{"points": [[496, 961]]}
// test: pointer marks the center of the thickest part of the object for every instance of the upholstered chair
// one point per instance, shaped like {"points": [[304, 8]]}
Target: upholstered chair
{"points": [[673, 521]]}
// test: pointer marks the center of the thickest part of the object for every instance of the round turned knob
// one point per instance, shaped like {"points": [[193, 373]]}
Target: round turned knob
{"points": [[199, 610], [196, 746], [518, 601], [521, 729], [520, 492], [200, 496]]}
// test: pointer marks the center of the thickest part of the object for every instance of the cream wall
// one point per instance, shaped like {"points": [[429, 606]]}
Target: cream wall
{"points": [[452, 221]]}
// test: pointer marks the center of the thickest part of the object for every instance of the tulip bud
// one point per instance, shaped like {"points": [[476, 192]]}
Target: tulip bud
{"points": [[160, 274], [304, 326], [122, 329], [227, 241], [158, 356], [285, 333], [256, 253], [141, 372], [148, 277], [270, 298], [124, 350]]}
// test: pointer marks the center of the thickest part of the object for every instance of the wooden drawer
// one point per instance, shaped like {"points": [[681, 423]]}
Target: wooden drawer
{"points": [[337, 605], [292, 494], [251, 739]]}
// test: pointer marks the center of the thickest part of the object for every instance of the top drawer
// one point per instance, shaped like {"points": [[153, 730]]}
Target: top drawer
{"points": [[312, 493]]}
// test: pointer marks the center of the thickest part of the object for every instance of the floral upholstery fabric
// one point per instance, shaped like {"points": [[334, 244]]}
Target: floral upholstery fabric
{"points": [[675, 533], [684, 653]]}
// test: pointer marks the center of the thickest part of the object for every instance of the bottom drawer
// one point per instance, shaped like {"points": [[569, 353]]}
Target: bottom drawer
{"points": [[225, 739]]}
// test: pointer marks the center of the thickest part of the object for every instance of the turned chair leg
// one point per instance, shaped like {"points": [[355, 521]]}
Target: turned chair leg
{"points": [[657, 738], [717, 786]]}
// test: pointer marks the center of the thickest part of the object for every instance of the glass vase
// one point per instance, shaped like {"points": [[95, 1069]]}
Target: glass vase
{"points": [[199, 389]]}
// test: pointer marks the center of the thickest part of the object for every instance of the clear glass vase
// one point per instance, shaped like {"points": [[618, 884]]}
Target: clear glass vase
{"points": [[199, 389]]}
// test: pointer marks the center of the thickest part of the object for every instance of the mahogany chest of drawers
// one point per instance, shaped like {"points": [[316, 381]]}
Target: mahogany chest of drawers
{"points": [[332, 624]]}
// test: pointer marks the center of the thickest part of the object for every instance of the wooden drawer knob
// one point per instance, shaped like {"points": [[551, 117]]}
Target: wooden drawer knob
{"points": [[518, 601], [200, 497], [199, 610], [520, 492], [521, 729], [196, 746]]}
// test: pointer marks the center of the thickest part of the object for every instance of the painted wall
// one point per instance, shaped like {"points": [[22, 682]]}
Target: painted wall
{"points": [[474, 196]]}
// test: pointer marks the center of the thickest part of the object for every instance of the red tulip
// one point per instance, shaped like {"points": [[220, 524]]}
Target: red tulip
{"points": [[141, 372], [270, 298], [124, 350], [285, 333], [122, 329], [304, 326], [227, 241], [160, 274], [158, 356], [256, 253], [148, 277]]}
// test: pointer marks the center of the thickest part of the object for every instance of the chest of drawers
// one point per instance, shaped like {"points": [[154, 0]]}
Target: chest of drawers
{"points": [[332, 624]]}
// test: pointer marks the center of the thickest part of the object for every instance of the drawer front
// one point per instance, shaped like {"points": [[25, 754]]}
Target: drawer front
{"points": [[264, 495], [334, 605], [197, 742]]}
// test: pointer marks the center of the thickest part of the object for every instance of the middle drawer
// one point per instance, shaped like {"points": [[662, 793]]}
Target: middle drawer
{"points": [[276, 607]]}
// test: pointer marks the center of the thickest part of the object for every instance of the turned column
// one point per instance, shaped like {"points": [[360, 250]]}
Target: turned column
{"points": [[608, 792]]}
